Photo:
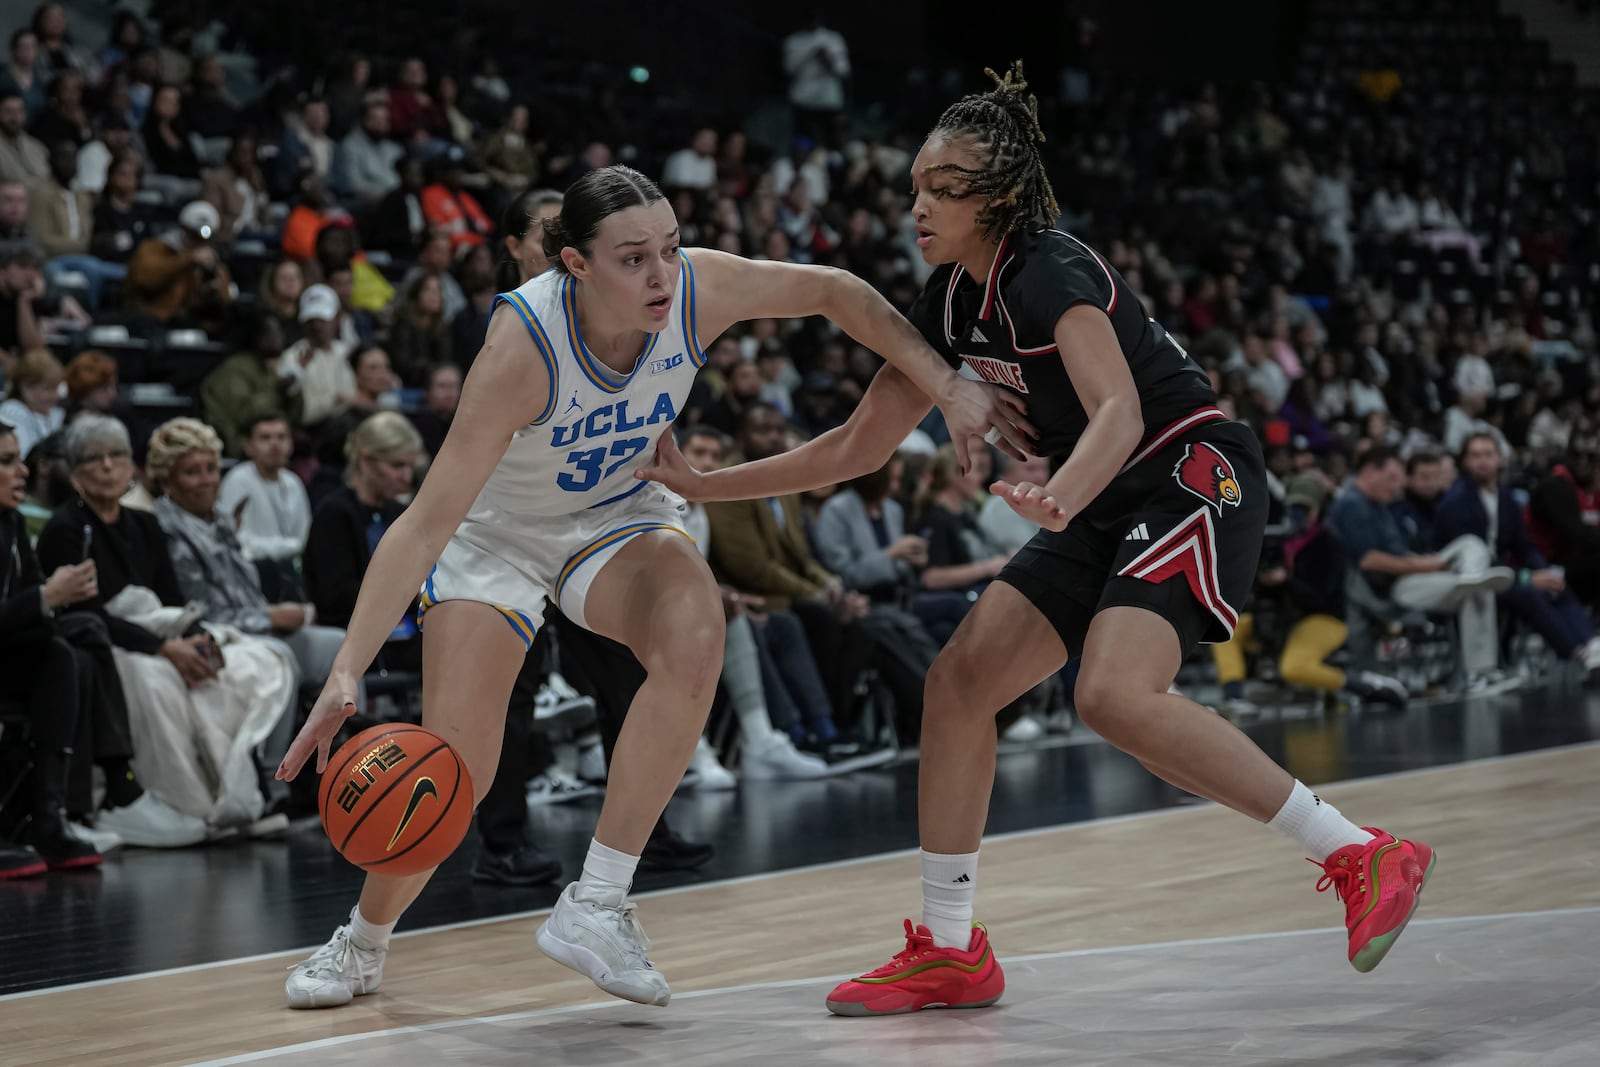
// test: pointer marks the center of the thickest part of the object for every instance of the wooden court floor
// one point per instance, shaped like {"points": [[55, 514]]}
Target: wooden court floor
{"points": [[1514, 834]]}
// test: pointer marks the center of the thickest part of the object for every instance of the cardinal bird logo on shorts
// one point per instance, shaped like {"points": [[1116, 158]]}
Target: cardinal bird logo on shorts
{"points": [[1207, 474]]}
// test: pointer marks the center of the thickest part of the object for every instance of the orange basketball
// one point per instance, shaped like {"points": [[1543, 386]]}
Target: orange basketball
{"points": [[396, 799]]}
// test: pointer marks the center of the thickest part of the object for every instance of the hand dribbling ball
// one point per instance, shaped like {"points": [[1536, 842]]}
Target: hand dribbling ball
{"points": [[396, 799]]}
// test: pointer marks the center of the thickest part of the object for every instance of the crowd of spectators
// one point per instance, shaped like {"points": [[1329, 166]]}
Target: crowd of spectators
{"points": [[238, 299]]}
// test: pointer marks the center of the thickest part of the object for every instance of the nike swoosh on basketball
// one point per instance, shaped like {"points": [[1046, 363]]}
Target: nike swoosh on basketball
{"points": [[423, 788]]}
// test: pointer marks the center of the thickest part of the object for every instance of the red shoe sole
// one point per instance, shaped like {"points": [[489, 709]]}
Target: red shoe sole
{"points": [[23, 872], [76, 864], [986, 993]]}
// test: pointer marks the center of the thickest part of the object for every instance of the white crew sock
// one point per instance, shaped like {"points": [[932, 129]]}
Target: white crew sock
{"points": [[369, 935], [1316, 824], [607, 874], [948, 883]]}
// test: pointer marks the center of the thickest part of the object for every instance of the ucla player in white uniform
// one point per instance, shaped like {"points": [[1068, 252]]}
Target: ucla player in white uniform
{"points": [[533, 497]]}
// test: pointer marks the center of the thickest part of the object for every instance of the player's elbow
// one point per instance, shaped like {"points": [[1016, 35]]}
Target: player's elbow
{"points": [[835, 293]]}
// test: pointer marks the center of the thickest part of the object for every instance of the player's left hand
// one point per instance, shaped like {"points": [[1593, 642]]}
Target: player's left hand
{"points": [[670, 468], [973, 409], [1032, 502]]}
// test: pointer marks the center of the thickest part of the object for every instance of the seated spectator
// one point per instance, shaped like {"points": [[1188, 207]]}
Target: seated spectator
{"points": [[14, 217], [356, 326], [471, 324], [318, 365], [1479, 506], [760, 546], [960, 557], [184, 462], [450, 208], [201, 698], [178, 278], [420, 337], [438, 406], [238, 190], [91, 381], [744, 388], [23, 73], [413, 113], [166, 136], [40, 668], [1428, 475], [436, 257], [281, 287], [59, 216], [1557, 516], [64, 117], [1001, 526], [347, 525], [265, 501], [121, 223], [767, 667], [1458, 580], [33, 398], [95, 158], [508, 157], [24, 303], [211, 110], [398, 225], [374, 379], [305, 149], [363, 168], [22, 158], [1306, 592], [248, 384], [64, 668]]}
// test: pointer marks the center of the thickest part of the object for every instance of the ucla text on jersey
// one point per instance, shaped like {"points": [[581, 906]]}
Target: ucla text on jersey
{"points": [[599, 425]]}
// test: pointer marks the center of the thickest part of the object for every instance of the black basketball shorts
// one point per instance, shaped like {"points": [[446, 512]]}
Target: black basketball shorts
{"points": [[1178, 532]]}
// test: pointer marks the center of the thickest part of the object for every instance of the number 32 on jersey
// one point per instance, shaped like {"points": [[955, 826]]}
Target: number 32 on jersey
{"points": [[610, 433]]}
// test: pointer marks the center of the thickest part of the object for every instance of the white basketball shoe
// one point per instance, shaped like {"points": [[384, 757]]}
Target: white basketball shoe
{"points": [[604, 943], [336, 973]]}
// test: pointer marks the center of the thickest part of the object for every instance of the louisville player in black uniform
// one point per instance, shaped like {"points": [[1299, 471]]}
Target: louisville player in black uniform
{"points": [[1151, 532]]}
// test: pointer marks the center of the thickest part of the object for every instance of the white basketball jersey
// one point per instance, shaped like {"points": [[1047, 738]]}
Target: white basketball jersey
{"points": [[600, 426]]}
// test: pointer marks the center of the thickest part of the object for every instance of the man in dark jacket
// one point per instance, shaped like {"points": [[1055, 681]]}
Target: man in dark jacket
{"points": [[1479, 504]]}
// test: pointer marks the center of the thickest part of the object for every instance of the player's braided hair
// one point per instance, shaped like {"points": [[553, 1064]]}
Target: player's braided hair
{"points": [[1004, 123]]}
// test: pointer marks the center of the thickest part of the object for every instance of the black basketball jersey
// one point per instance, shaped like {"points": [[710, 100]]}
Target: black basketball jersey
{"points": [[1004, 332]]}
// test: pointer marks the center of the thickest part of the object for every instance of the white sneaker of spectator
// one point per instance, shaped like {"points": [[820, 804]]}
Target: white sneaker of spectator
{"points": [[103, 841], [1026, 728], [335, 974], [706, 771], [551, 706], [1238, 709], [774, 757], [556, 786], [592, 762], [151, 822]]}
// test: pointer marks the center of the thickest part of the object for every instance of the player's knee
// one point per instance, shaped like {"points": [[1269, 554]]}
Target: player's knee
{"points": [[689, 654], [1098, 698], [950, 688]]}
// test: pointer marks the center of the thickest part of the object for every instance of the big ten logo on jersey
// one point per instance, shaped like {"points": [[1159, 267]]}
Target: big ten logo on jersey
{"points": [[998, 371], [608, 420], [661, 366]]}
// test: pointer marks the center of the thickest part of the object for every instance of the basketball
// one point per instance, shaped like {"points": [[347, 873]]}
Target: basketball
{"points": [[396, 799]]}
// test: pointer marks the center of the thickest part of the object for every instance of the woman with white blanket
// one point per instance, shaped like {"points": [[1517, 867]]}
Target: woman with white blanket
{"points": [[201, 697]]}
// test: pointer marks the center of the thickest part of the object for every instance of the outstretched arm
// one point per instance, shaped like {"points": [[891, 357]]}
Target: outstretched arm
{"points": [[889, 411], [733, 290], [500, 395]]}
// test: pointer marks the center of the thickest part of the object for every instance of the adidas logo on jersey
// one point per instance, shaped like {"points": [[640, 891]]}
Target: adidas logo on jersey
{"points": [[977, 335], [1138, 533]]}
